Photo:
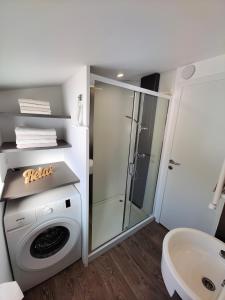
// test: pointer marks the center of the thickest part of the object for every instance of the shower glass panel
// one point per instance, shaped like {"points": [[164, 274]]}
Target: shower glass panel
{"points": [[111, 114], [148, 134], [126, 137]]}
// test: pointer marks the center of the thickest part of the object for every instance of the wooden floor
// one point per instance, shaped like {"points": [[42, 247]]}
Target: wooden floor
{"points": [[129, 271]]}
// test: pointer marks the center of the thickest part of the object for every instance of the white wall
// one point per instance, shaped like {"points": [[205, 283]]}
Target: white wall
{"points": [[5, 271], [167, 82], [204, 68], [77, 157]]}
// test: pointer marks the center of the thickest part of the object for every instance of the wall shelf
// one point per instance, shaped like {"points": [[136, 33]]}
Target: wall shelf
{"points": [[15, 187], [8, 147], [11, 114]]}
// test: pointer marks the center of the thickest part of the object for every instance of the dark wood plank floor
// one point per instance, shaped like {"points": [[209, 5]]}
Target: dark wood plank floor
{"points": [[129, 271]]}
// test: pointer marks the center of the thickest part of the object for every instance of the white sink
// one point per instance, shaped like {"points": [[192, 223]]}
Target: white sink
{"points": [[188, 256]]}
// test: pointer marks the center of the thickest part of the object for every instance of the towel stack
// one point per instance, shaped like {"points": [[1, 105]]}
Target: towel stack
{"points": [[33, 137], [30, 106]]}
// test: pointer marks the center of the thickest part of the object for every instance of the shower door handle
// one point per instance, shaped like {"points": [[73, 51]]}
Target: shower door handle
{"points": [[131, 169], [132, 119], [141, 128], [172, 162]]}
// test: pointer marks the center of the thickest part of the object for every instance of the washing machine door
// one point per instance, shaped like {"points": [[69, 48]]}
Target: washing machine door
{"points": [[48, 244]]}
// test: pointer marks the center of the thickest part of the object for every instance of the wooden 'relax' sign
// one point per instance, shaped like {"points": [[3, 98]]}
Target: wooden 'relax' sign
{"points": [[36, 174]]}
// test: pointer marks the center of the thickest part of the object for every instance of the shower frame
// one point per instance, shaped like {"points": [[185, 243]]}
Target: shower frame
{"points": [[149, 219]]}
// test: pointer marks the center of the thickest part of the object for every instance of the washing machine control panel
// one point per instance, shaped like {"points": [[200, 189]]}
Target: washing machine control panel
{"points": [[28, 217], [19, 220], [52, 208], [47, 210]]}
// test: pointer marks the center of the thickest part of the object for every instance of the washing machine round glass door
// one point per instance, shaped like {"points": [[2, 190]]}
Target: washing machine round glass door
{"points": [[50, 241], [48, 244]]}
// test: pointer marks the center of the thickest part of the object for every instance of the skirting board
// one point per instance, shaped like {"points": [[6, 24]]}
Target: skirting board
{"points": [[119, 239]]}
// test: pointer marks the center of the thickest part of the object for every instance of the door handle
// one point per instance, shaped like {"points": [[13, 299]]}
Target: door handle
{"points": [[223, 190], [172, 162], [128, 117]]}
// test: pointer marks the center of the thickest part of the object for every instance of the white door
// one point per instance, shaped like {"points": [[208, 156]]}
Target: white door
{"points": [[199, 148]]}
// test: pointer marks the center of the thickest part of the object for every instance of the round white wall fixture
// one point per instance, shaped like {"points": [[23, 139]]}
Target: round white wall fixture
{"points": [[188, 72]]}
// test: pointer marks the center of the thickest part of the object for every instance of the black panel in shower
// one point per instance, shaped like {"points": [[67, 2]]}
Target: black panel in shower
{"points": [[92, 94], [144, 146], [220, 232], [151, 82]]}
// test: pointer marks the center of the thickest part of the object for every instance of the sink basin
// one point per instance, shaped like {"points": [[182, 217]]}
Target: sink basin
{"points": [[192, 266]]}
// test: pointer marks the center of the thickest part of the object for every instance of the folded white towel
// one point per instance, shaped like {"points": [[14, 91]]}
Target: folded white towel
{"points": [[37, 112], [41, 107], [36, 145], [27, 137], [34, 106], [31, 101], [40, 141], [34, 131]]}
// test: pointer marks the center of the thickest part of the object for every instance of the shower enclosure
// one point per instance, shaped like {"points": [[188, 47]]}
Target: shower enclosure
{"points": [[126, 136]]}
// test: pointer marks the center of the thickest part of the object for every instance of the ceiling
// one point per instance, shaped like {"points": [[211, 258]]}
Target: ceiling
{"points": [[42, 42]]}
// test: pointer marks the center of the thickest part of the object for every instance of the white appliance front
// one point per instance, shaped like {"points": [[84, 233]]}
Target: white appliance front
{"points": [[43, 233]]}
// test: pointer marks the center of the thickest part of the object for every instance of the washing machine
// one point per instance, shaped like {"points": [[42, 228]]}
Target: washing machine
{"points": [[43, 234]]}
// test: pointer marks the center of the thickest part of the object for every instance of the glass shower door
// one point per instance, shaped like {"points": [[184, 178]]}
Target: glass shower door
{"points": [[111, 110], [148, 132], [126, 136]]}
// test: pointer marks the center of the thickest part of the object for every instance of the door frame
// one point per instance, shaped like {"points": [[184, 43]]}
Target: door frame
{"points": [[205, 71], [127, 86], [168, 130], [172, 116]]}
